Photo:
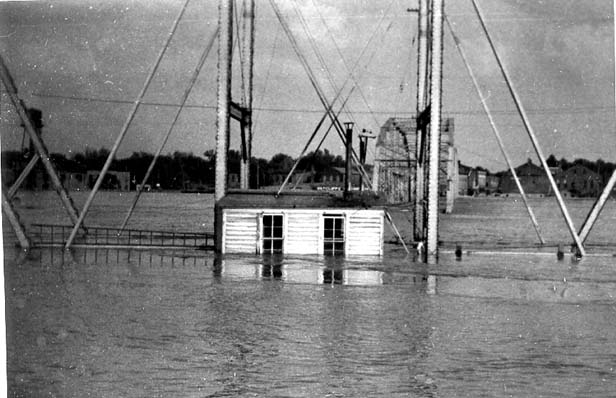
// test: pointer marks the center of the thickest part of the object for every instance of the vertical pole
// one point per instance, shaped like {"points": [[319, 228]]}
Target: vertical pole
{"points": [[422, 79], [451, 187], [434, 138], [249, 44], [363, 142], [376, 170], [41, 149], [225, 42], [349, 153]]}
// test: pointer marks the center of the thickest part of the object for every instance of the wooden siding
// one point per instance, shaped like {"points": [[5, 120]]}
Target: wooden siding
{"points": [[240, 231], [364, 233], [303, 232]]}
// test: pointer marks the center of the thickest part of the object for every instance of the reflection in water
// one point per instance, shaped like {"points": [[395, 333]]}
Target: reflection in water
{"points": [[192, 324], [271, 267], [333, 276], [329, 271], [57, 256]]}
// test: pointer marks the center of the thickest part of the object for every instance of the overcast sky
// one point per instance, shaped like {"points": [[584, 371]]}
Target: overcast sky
{"points": [[79, 60]]}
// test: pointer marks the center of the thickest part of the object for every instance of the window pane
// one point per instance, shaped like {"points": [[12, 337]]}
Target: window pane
{"points": [[277, 232], [267, 232], [267, 221], [277, 246], [333, 235], [278, 221], [327, 276]]}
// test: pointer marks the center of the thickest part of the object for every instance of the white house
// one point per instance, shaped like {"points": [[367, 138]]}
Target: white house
{"points": [[300, 223]]}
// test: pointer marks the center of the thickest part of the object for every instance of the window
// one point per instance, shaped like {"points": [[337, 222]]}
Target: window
{"points": [[333, 234], [273, 233]]}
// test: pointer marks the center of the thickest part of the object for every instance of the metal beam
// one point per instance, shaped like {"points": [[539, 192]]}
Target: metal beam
{"points": [[38, 143], [22, 177], [326, 104], [13, 218], [531, 134], [127, 123], [501, 144], [597, 207], [148, 172]]}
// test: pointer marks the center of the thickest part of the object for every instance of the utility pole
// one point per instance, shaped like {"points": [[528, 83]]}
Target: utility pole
{"points": [[364, 136], [225, 43], [421, 122], [434, 138], [349, 153], [246, 123]]}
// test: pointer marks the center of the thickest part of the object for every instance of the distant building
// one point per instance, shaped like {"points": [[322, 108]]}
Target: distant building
{"points": [[233, 180], [114, 180], [580, 181], [73, 175], [395, 163], [531, 176], [73, 180], [463, 177], [477, 181], [330, 179], [492, 183]]}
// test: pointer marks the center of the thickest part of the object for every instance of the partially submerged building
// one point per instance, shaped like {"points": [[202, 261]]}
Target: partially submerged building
{"points": [[114, 180], [300, 223]]}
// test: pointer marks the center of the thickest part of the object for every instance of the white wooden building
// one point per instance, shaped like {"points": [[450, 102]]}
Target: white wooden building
{"points": [[299, 223]]}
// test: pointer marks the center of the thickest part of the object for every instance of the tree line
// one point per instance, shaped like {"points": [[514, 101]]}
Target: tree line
{"points": [[599, 166], [177, 170], [185, 170]]}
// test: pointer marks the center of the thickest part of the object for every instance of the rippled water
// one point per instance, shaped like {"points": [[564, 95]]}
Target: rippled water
{"points": [[188, 324]]}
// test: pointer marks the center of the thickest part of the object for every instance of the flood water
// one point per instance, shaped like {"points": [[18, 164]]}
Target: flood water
{"points": [[188, 324]]}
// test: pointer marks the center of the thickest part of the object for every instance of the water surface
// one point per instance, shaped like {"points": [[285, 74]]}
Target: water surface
{"points": [[187, 324]]}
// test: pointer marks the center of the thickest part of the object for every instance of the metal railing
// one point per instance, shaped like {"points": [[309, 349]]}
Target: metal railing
{"points": [[52, 235]]}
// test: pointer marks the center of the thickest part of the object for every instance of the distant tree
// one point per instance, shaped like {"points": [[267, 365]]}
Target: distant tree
{"points": [[552, 161], [258, 173], [280, 163], [564, 163], [234, 159]]}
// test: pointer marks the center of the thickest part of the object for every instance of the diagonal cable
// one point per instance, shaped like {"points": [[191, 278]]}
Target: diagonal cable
{"points": [[191, 84], [125, 127]]}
